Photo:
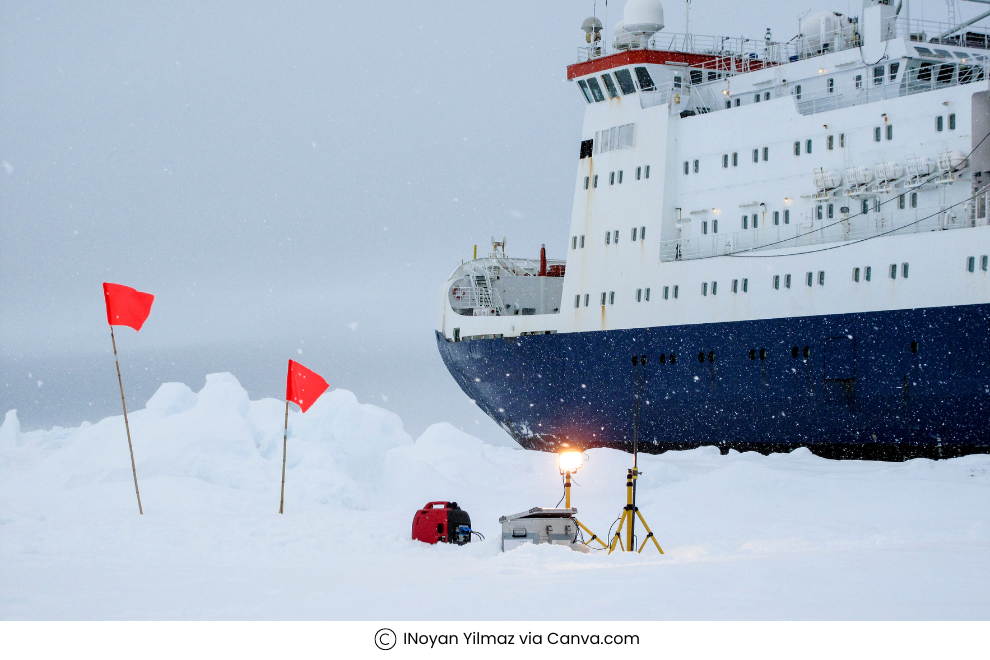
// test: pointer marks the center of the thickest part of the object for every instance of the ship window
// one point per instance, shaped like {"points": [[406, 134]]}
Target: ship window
{"points": [[901, 202], [756, 98], [787, 216], [766, 96], [728, 104], [639, 295], [639, 173], [594, 182], [818, 211], [725, 160], [766, 153], [971, 264], [608, 238], [855, 274], [914, 200], [677, 82], [904, 270], [983, 263], [634, 233], [809, 279], [615, 237], [776, 218], [611, 297], [676, 289], [878, 75], [756, 155], [642, 233], [715, 226], [776, 281], [876, 134], [620, 176], [807, 147], [831, 209], [794, 352], [704, 227], [890, 130], [714, 288], [829, 142], [797, 148], [938, 123], [893, 70], [577, 301], [584, 90], [666, 292], [866, 206], [587, 296], [735, 159], [582, 241], [868, 273], [687, 167], [737, 102], [842, 140], [952, 122], [893, 271], [797, 91], [625, 81], [587, 181], [965, 74], [735, 286], [876, 204], [807, 352], [704, 288], [457, 334], [647, 294], [697, 77], [603, 298], [646, 174], [745, 285], [752, 354], [831, 85], [821, 278], [573, 242], [712, 75], [610, 86], [787, 281], [745, 222], [596, 91], [859, 81], [695, 167], [925, 71], [945, 74], [645, 81], [756, 221]]}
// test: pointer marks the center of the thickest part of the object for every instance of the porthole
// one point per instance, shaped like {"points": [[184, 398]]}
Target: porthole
{"points": [[725, 161], [807, 351], [752, 354], [735, 286], [868, 273], [586, 181], [695, 167], [573, 242], [639, 172], [611, 297], [787, 281], [594, 182], [794, 352], [620, 175], [714, 288], [776, 281], [704, 288], [952, 122], [821, 278], [687, 167], [809, 279], [914, 347], [673, 358], [890, 131], [745, 285], [855, 274], [787, 216], [766, 154], [646, 173], [893, 271], [711, 356], [735, 159], [763, 354], [676, 289], [983, 263], [639, 295], [904, 270], [776, 218], [666, 293], [611, 178], [663, 358], [701, 357], [647, 294], [577, 301], [970, 265]]}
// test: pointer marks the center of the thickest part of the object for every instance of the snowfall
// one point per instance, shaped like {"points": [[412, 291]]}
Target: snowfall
{"points": [[745, 536]]}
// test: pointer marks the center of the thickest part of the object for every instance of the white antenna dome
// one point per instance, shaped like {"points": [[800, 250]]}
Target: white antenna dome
{"points": [[620, 29], [643, 16], [591, 24]]}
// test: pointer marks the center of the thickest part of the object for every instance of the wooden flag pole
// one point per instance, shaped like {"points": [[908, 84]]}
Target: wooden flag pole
{"points": [[126, 425], [285, 439]]}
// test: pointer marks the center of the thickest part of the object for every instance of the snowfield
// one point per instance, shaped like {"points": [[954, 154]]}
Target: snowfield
{"points": [[787, 536]]}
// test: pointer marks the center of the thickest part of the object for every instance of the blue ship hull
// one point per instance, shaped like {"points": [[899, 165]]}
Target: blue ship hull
{"points": [[881, 385]]}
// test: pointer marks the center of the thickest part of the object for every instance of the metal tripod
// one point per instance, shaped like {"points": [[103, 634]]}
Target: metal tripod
{"points": [[630, 512]]}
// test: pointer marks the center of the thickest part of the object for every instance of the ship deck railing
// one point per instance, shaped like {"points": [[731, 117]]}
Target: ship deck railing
{"points": [[822, 232]]}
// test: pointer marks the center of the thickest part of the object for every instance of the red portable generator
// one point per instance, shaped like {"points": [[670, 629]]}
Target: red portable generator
{"points": [[442, 522]]}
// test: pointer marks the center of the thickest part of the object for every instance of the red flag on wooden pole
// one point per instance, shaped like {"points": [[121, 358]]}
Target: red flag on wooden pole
{"points": [[130, 307], [302, 386]]}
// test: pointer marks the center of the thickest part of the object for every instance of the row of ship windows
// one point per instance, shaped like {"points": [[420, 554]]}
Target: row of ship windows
{"points": [[971, 264], [641, 173], [747, 219], [636, 234], [642, 295]]}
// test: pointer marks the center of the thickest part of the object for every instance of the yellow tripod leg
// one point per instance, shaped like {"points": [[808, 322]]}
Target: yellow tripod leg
{"points": [[618, 535], [594, 537], [649, 534]]}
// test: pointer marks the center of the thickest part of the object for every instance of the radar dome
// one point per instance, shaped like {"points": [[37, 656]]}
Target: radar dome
{"points": [[591, 24], [643, 16]]}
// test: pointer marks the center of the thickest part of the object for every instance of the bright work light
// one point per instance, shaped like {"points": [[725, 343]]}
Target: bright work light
{"points": [[570, 461]]}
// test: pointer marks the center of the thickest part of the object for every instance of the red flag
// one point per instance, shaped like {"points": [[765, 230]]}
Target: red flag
{"points": [[303, 386], [126, 306]]}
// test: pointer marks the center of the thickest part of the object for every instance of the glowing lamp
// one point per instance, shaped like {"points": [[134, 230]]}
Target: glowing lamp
{"points": [[570, 461]]}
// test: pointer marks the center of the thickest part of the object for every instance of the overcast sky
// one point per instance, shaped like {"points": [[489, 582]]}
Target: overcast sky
{"points": [[290, 179]]}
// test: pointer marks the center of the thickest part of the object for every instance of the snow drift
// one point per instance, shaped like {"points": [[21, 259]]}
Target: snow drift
{"points": [[746, 536]]}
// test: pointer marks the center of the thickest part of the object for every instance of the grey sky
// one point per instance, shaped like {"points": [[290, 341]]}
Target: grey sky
{"points": [[282, 176]]}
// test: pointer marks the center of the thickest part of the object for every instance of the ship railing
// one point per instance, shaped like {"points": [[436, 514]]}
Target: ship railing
{"points": [[869, 88], [820, 232], [944, 34], [697, 44]]}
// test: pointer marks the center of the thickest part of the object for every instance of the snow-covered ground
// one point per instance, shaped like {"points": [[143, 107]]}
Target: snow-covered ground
{"points": [[787, 536]]}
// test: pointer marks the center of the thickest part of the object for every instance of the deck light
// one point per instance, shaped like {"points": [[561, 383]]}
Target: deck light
{"points": [[570, 461]]}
